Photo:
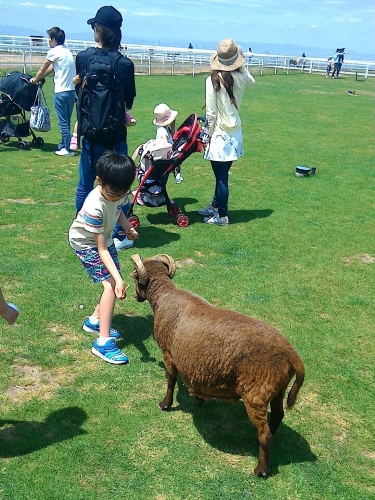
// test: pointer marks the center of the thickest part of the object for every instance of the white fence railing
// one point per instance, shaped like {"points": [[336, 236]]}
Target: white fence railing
{"points": [[28, 53]]}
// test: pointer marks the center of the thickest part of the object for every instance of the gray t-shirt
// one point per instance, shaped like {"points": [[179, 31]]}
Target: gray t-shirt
{"points": [[97, 215]]}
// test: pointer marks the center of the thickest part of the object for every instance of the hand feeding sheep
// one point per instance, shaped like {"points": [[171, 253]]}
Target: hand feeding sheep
{"points": [[219, 353]]}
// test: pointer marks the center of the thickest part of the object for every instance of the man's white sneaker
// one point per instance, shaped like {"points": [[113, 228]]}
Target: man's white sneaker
{"points": [[123, 244], [64, 152]]}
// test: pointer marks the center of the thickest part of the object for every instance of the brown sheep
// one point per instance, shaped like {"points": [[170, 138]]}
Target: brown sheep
{"points": [[219, 353]]}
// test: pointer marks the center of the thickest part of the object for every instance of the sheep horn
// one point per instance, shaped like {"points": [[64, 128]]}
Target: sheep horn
{"points": [[140, 268], [169, 262]]}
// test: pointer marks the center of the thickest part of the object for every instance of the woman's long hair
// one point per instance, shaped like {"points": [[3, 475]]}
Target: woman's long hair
{"points": [[109, 39], [225, 78]]}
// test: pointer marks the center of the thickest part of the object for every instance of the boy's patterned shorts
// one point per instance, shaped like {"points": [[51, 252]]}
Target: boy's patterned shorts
{"points": [[93, 264]]}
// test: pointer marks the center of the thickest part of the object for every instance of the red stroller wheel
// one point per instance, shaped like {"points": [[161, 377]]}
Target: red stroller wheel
{"points": [[174, 210], [134, 221], [182, 220]]}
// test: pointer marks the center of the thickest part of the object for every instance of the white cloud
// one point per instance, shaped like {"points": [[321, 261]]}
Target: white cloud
{"points": [[58, 7], [145, 14]]}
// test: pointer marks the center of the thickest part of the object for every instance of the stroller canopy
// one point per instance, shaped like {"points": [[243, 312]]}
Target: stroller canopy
{"points": [[18, 90]]}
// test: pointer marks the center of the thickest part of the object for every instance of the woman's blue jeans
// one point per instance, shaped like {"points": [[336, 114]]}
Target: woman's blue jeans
{"points": [[90, 154], [221, 196], [64, 105]]}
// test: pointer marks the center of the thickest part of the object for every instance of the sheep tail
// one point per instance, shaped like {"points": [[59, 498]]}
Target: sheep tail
{"points": [[300, 376]]}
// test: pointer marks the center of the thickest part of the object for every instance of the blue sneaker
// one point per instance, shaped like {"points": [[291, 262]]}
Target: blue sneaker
{"points": [[109, 352], [91, 328], [208, 210]]}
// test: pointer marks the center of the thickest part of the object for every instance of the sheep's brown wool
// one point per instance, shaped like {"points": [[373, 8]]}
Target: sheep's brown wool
{"points": [[219, 353]]}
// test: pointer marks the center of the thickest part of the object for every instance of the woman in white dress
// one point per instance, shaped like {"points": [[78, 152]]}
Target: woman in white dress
{"points": [[224, 91]]}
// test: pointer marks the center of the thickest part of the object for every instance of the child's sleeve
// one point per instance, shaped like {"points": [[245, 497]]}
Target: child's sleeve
{"points": [[161, 133], [93, 219], [211, 106]]}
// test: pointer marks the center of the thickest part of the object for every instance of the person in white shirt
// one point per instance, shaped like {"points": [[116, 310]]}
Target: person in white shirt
{"points": [[60, 61], [224, 91]]}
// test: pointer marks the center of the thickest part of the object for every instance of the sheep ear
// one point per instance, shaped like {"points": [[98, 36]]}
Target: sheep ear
{"points": [[140, 272], [168, 261]]}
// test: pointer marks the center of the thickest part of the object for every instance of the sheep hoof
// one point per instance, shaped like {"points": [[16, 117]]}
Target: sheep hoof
{"points": [[260, 472], [163, 407]]}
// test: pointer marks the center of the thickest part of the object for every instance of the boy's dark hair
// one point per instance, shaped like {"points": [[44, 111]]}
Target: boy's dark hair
{"points": [[116, 171], [110, 39], [57, 34]]}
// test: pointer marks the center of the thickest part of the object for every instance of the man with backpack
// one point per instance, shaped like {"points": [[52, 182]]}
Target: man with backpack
{"points": [[106, 91]]}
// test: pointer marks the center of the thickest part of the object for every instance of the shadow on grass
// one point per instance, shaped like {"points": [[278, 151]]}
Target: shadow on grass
{"points": [[20, 437], [160, 215], [12, 145], [154, 237], [235, 216], [136, 330], [226, 427]]}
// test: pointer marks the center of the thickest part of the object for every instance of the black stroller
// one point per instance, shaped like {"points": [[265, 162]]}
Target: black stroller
{"points": [[17, 95], [157, 163]]}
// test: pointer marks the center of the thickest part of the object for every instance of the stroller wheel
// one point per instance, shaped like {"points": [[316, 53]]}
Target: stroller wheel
{"points": [[134, 221], [4, 137], [174, 210], [38, 141], [182, 220], [23, 145]]}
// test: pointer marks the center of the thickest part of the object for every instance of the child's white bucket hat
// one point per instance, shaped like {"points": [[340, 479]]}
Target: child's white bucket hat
{"points": [[164, 115]]}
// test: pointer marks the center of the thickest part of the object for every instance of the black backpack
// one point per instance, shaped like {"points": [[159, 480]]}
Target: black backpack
{"points": [[101, 107]]}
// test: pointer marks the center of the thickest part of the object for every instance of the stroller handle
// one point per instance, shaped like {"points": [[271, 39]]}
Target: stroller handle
{"points": [[202, 119], [40, 83]]}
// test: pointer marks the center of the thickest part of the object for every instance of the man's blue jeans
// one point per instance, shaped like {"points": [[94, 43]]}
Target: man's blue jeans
{"points": [[90, 154], [64, 105]]}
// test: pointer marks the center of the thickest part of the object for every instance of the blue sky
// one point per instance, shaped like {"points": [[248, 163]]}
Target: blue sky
{"points": [[312, 23]]}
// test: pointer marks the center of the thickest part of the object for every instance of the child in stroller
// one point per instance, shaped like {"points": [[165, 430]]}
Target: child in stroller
{"points": [[158, 159], [165, 122]]}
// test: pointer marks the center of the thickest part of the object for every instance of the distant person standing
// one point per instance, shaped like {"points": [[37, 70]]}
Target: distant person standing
{"points": [[329, 66], [338, 59], [60, 61], [341, 58]]}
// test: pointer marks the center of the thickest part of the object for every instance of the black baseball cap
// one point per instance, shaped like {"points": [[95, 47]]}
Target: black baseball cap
{"points": [[107, 16]]}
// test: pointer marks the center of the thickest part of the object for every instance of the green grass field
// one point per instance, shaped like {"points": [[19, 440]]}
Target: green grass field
{"points": [[299, 253]]}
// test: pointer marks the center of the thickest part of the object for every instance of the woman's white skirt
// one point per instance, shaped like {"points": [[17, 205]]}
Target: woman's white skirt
{"points": [[224, 147]]}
